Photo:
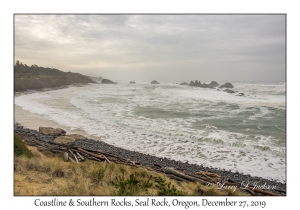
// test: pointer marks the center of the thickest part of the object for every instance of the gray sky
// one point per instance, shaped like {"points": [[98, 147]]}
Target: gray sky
{"points": [[161, 47]]}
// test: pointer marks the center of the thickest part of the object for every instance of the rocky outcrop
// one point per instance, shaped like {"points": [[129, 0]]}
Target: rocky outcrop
{"points": [[213, 84], [205, 85], [52, 131], [64, 139], [240, 94], [107, 81], [184, 83], [198, 84], [226, 85], [154, 82], [192, 83], [229, 91], [132, 82], [76, 136]]}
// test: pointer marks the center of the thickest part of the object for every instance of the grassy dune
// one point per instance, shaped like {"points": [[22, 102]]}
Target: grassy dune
{"points": [[45, 173]]}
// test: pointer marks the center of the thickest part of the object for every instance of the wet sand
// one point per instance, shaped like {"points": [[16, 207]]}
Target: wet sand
{"points": [[33, 122]]}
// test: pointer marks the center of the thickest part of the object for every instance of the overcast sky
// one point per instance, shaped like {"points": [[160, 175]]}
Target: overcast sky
{"points": [[162, 47]]}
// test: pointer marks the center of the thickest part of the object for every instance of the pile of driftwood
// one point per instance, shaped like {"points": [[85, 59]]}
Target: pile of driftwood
{"points": [[73, 153]]}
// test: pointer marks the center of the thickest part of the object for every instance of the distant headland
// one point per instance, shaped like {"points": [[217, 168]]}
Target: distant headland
{"points": [[35, 77]]}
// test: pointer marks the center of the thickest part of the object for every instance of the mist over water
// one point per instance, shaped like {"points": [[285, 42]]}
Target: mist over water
{"points": [[201, 126]]}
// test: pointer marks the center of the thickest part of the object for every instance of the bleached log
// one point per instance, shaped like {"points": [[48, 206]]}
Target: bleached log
{"points": [[79, 155], [98, 151], [101, 157], [72, 159], [73, 155], [106, 159], [172, 171]]}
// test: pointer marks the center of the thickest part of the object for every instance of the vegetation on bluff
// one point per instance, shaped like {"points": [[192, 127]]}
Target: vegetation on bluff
{"points": [[20, 149], [34, 77]]}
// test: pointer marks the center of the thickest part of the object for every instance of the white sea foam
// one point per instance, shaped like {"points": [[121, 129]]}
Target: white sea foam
{"points": [[178, 122]]}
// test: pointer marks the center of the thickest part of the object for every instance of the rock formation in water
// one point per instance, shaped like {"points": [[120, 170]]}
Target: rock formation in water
{"points": [[192, 83], [154, 82], [205, 85], [229, 91], [184, 83], [226, 85], [213, 84], [240, 94]]}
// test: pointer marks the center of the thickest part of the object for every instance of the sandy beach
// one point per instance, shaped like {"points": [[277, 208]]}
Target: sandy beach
{"points": [[33, 122]]}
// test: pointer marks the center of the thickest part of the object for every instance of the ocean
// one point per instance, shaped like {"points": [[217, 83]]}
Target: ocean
{"points": [[198, 125]]}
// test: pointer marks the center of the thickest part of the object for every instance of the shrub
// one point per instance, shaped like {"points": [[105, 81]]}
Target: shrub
{"points": [[166, 189], [132, 185], [20, 148]]}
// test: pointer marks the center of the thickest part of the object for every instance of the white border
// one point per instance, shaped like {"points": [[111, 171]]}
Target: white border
{"points": [[8, 8]]}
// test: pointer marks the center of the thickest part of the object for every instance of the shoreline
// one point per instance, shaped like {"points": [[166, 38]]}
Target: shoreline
{"points": [[25, 117], [32, 122], [149, 160]]}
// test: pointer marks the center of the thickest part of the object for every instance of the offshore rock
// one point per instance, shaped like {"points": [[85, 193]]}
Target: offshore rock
{"points": [[192, 83], [240, 94], [213, 84], [226, 85], [184, 83], [205, 85], [229, 91], [199, 84], [154, 82]]}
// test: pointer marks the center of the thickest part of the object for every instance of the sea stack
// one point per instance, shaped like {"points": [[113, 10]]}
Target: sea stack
{"points": [[154, 82], [226, 85], [213, 84], [192, 83]]}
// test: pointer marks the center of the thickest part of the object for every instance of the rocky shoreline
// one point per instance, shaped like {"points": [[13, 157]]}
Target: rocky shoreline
{"points": [[148, 160]]}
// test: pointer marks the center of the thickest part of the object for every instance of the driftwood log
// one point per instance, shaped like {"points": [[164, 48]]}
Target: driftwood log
{"points": [[172, 171], [73, 155], [101, 157]]}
